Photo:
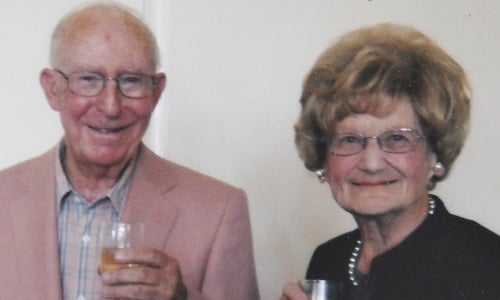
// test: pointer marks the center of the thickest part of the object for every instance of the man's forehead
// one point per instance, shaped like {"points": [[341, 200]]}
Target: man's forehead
{"points": [[100, 29], [85, 23]]}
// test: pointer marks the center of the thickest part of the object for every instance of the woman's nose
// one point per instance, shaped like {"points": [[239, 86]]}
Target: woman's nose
{"points": [[372, 157]]}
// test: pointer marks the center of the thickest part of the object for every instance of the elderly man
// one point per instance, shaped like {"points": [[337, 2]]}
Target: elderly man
{"points": [[104, 84]]}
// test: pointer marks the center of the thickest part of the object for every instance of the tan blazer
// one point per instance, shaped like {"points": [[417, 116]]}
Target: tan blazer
{"points": [[200, 221]]}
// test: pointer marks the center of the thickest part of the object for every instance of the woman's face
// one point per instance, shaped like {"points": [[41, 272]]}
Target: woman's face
{"points": [[374, 182]]}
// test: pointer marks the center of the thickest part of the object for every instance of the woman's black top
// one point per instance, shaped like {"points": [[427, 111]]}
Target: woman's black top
{"points": [[446, 258]]}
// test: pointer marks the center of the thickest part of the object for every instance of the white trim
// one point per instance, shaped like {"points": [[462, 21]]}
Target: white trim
{"points": [[157, 16]]}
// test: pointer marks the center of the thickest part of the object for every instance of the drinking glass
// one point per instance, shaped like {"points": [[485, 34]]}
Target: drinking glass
{"points": [[114, 236], [318, 289]]}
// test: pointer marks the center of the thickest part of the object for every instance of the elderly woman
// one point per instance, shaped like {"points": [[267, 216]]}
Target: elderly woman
{"points": [[384, 115]]}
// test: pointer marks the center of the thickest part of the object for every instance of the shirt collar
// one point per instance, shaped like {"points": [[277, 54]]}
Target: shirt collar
{"points": [[117, 194]]}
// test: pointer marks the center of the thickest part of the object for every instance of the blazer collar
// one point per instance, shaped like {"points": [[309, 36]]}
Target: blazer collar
{"points": [[147, 199]]}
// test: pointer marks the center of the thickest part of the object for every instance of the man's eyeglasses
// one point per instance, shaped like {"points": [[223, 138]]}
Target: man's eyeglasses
{"points": [[394, 141], [131, 85]]}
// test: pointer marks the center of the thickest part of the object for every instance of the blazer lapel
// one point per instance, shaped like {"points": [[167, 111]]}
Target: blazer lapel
{"points": [[148, 202], [33, 214]]}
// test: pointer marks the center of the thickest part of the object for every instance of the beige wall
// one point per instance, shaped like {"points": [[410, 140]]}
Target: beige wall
{"points": [[235, 69]]}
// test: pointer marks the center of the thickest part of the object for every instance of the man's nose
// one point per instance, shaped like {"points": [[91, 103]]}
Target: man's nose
{"points": [[111, 99]]}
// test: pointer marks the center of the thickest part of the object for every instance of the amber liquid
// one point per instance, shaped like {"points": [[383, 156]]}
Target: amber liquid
{"points": [[109, 263]]}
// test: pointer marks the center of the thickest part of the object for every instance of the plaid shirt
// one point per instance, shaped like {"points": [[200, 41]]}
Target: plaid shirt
{"points": [[78, 222]]}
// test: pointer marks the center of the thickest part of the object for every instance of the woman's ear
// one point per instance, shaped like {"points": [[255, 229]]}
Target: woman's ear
{"points": [[439, 169], [50, 86]]}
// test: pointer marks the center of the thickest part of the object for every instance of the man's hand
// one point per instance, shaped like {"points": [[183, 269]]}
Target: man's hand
{"points": [[157, 277]]}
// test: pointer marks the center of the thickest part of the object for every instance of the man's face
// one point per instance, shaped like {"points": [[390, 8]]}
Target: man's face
{"points": [[106, 129]]}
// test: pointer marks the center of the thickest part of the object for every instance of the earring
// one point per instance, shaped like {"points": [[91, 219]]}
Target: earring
{"points": [[439, 169], [321, 173]]}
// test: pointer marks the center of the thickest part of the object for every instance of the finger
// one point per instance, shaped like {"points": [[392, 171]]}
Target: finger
{"points": [[133, 275], [127, 285], [145, 256], [129, 292], [293, 291], [167, 276]]}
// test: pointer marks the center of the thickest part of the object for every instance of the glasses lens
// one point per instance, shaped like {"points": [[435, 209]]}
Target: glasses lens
{"points": [[86, 83], [399, 141], [394, 141], [135, 85], [347, 144]]}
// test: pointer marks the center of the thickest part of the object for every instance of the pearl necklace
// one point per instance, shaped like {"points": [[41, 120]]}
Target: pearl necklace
{"points": [[353, 260]]}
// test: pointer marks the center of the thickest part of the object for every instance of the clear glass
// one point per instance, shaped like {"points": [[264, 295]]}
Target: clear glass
{"points": [[318, 289], [393, 141], [131, 85], [114, 236]]}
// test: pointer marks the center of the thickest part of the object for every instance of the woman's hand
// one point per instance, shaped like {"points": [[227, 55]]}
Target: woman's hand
{"points": [[157, 276], [292, 291]]}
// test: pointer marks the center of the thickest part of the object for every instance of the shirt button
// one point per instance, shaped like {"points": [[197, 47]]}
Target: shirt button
{"points": [[85, 239]]}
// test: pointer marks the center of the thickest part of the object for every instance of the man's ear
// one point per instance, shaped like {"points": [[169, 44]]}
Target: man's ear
{"points": [[160, 86], [51, 88]]}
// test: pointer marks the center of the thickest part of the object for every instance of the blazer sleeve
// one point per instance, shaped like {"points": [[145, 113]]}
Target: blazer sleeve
{"points": [[230, 272]]}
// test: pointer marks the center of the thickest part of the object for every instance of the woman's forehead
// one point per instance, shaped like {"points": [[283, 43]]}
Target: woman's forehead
{"points": [[393, 112]]}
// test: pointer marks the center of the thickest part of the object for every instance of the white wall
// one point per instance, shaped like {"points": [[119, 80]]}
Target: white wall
{"points": [[235, 70]]}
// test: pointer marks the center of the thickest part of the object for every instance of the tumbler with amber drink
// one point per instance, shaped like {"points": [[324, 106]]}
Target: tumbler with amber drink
{"points": [[114, 236]]}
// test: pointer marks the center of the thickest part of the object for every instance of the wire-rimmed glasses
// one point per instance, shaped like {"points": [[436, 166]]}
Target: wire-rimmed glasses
{"points": [[89, 83], [399, 140]]}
